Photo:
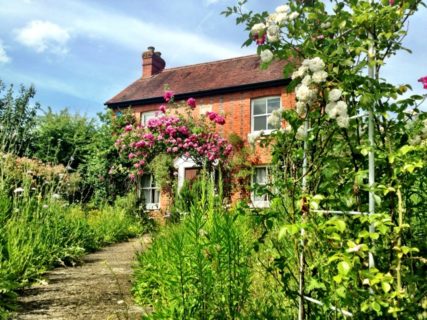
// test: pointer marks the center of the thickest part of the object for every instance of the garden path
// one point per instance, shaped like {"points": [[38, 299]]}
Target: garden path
{"points": [[99, 288]]}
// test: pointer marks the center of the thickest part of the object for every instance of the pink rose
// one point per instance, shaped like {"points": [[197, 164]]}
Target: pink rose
{"points": [[391, 2], [128, 128], [423, 80], [168, 95], [211, 115], [162, 108], [191, 102], [220, 120]]}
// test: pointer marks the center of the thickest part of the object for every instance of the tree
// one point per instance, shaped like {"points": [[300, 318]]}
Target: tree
{"points": [[17, 118]]}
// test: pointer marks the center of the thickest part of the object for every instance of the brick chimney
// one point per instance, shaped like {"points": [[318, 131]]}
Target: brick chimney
{"points": [[152, 63]]}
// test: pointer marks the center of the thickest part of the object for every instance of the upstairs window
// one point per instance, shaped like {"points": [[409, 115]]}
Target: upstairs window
{"points": [[261, 110], [150, 191]]}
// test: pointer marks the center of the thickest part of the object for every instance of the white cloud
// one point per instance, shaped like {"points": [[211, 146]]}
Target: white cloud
{"points": [[44, 36], [4, 58]]}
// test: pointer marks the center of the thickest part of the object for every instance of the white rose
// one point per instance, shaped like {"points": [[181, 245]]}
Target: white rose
{"points": [[341, 108], [266, 55], [273, 33], [281, 18], [325, 25], [300, 134], [335, 95], [301, 108], [306, 80], [303, 92], [319, 76], [293, 16], [258, 28], [283, 9], [343, 121], [316, 64], [330, 109], [300, 72]]}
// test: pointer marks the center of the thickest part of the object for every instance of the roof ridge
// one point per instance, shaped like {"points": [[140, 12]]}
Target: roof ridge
{"points": [[210, 62]]}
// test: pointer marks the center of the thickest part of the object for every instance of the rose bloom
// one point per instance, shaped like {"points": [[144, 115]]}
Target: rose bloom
{"points": [[191, 102], [162, 108], [168, 95]]}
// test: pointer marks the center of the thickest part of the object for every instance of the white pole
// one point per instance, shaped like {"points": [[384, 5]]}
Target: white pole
{"points": [[371, 155], [301, 315]]}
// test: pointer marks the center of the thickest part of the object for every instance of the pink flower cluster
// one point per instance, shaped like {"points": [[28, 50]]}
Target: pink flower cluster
{"points": [[175, 135], [213, 116], [423, 80]]}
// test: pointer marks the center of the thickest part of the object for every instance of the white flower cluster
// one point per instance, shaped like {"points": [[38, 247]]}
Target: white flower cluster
{"points": [[266, 55], [253, 136], [337, 109], [272, 27], [418, 139], [300, 134], [275, 118], [312, 73]]}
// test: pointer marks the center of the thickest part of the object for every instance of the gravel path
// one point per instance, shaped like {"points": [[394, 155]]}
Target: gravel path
{"points": [[98, 289]]}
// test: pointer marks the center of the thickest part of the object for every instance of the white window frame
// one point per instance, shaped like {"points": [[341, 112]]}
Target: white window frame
{"points": [[260, 203], [265, 131], [149, 205], [146, 116]]}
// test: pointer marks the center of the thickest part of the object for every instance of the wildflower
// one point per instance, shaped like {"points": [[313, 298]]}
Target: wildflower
{"points": [[168, 95], [18, 190], [162, 108], [191, 102], [266, 55], [335, 95], [423, 80]]}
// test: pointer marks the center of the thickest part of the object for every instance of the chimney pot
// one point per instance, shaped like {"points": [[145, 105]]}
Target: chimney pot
{"points": [[152, 62]]}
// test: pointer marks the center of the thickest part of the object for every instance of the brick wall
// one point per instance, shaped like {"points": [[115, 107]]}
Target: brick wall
{"points": [[236, 107]]}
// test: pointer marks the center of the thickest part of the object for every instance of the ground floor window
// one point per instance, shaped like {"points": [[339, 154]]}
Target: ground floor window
{"points": [[150, 192], [260, 177]]}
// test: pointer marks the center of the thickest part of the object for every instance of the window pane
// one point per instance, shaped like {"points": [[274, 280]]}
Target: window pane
{"points": [[271, 127], [147, 195], [156, 196], [260, 123], [146, 181], [259, 106], [261, 175], [273, 104]]}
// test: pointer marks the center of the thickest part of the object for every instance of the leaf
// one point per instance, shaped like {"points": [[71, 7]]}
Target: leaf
{"points": [[344, 268], [376, 306], [288, 229], [385, 286]]}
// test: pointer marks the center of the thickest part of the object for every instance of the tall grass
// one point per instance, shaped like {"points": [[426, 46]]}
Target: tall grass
{"points": [[38, 231], [199, 268]]}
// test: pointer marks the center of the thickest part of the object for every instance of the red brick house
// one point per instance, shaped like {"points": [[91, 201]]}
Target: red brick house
{"points": [[236, 88]]}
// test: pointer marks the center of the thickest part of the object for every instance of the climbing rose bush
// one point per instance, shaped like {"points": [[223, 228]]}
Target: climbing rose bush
{"points": [[174, 131]]}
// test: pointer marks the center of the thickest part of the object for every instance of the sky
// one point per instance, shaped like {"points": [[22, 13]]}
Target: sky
{"points": [[80, 53]]}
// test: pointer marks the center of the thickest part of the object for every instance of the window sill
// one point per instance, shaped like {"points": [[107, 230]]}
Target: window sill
{"points": [[152, 206], [260, 204]]}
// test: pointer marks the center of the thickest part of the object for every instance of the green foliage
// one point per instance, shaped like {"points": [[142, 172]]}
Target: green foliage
{"points": [[336, 249], [199, 268], [38, 231], [17, 119]]}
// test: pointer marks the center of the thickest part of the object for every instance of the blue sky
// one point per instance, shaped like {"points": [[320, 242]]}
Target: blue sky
{"points": [[79, 53]]}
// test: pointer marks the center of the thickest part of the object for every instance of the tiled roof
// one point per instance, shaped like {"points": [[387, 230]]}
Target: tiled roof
{"points": [[201, 78]]}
